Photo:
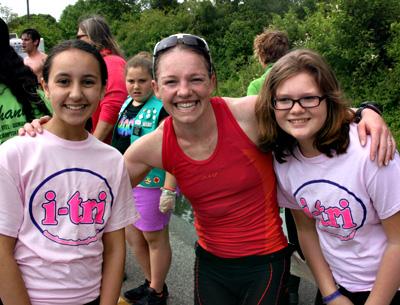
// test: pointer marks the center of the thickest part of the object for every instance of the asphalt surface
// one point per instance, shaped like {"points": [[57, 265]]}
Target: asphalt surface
{"points": [[180, 277]]}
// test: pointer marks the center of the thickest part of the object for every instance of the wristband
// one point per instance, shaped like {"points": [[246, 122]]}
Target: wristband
{"points": [[370, 105], [331, 297]]}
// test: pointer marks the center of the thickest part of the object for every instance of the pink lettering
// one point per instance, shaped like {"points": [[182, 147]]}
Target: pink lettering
{"points": [[348, 222], [89, 207], [79, 211], [74, 203], [333, 214], [320, 209], [306, 210], [49, 209]]}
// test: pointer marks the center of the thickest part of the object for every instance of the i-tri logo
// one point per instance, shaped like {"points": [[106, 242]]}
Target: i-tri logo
{"points": [[337, 210], [71, 207], [78, 210]]}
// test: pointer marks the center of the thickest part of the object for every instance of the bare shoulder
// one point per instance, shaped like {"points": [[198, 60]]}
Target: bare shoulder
{"points": [[243, 108]]}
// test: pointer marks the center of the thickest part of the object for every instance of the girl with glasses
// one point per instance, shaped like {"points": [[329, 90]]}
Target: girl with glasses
{"points": [[346, 207]]}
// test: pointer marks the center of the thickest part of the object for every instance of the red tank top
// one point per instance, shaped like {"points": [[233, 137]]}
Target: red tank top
{"points": [[233, 192]]}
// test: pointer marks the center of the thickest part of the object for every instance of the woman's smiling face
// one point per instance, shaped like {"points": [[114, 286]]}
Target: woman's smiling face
{"points": [[183, 84]]}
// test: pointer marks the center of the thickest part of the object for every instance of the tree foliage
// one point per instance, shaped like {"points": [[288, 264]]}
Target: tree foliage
{"points": [[6, 13], [359, 38]]}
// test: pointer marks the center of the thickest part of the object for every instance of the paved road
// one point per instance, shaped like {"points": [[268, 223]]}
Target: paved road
{"points": [[180, 277]]}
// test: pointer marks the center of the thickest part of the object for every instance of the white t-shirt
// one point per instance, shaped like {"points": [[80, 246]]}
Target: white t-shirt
{"points": [[57, 198], [347, 195]]}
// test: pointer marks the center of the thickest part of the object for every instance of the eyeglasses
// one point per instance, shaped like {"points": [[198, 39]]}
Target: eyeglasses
{"points": [[305, 102]]}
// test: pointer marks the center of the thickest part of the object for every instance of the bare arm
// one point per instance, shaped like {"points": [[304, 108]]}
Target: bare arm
{"points": [[310, 246], [144, 154], [388, 278], [102, 130], [12, 286], [170, 181], [113, 267]]}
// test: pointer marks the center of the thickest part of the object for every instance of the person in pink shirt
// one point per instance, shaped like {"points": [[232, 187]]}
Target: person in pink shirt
{"points": [[96, 31], [30, 45], [63, 213], [346, 207]]}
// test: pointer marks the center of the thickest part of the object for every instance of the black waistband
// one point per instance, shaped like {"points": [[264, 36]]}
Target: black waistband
{"points": [[251, 259]]}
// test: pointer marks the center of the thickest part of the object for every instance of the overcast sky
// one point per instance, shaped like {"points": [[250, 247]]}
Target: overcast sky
{"points": [[51, 7]]}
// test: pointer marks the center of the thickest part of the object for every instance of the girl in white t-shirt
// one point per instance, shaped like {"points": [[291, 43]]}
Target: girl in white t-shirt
{"points": [[65, 197], [346, 207]]}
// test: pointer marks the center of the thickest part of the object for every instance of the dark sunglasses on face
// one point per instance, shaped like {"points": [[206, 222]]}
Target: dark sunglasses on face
{"points": [[186, 39]]}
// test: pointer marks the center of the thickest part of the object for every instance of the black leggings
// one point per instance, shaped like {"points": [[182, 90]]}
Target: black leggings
{"points": [[358, 298], [251, 280]]}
